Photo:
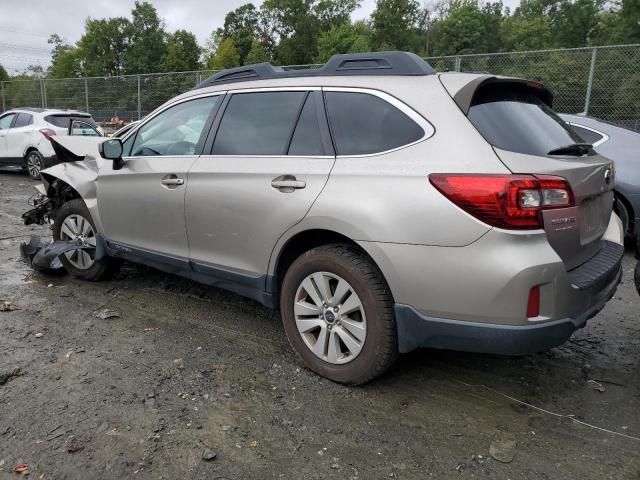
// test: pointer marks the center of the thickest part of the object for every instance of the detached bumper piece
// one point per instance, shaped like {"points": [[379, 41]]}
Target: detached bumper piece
{"points": [[45, 257]]}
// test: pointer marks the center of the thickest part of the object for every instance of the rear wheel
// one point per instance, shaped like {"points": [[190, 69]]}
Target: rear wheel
{"points": [[34, 163], [73, 221], [338, 314], [623, 212]]}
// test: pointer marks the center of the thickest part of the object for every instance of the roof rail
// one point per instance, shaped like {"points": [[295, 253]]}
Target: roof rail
{"points": [[372, 63]]}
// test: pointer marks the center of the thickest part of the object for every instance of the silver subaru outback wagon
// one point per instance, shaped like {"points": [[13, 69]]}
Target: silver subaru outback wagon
{"points": [[380, 205]]}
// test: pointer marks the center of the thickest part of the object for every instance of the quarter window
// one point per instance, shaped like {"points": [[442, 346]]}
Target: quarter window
{"points": [[175, 131], [587, 135], [363, 124], [23, 120], [306, 138], [258, 123], [5, 122]]}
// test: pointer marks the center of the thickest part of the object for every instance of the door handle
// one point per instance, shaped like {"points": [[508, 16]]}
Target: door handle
{"points": [[287, 183], [172, 181]]}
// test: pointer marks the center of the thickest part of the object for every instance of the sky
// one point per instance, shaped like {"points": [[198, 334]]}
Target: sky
{"points": [[25, 26]]}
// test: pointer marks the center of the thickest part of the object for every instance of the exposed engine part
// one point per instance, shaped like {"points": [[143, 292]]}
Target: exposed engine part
{"points": [[45, 206]]}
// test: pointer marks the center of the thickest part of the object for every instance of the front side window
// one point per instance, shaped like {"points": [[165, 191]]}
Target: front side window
{"points": [[23, 119], [363, 124], [175, 131], [258, 123], [5, 122], [517, 120]]}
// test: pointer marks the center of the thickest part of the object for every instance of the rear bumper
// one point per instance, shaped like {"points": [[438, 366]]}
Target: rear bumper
{"points": [[417, 330]]}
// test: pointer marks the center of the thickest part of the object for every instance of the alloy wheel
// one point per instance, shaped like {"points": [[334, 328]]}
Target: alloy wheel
{"points": [[33, 164], [77, 227], [330, 317]]}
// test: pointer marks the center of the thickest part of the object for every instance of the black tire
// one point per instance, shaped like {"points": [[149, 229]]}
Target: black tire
{"points": [[623, 212], [636, 277], [101, 268], [380, 348], [34, 163]]}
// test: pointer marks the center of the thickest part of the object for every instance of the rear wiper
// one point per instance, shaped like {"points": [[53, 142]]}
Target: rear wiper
{"points": [[573, 149]]}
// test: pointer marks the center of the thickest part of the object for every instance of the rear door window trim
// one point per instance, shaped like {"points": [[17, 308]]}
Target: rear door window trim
{"points": [[604, 136]]}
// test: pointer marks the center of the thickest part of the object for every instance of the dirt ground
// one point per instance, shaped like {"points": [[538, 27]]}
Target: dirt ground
{"points": [[187, 370]]}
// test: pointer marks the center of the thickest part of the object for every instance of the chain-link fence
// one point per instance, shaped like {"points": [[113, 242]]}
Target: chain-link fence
{"points": [[601, 81]]}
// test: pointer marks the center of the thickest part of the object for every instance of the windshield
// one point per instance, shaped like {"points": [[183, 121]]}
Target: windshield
{"points": [[513, 118]]}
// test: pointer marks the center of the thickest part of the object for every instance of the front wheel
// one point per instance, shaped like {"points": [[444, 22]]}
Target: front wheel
{"points": [[34, 163], [73, 221], [337, 313]]}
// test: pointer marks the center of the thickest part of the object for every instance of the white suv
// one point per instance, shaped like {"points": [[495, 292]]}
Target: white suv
{"points": [[25, 133]]}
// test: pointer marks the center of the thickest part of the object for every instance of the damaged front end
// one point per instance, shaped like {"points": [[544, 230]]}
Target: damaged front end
{"points": [[73, 177], [46, 205]]}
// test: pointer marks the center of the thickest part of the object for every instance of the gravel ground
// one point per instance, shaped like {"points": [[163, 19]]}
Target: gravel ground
{"points": [[187, 372]]}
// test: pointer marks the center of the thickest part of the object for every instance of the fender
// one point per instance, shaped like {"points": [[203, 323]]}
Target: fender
{"points": [[79, 167]]}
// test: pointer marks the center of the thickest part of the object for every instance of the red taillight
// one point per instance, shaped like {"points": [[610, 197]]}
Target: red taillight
{"points": [[47, 132], [512, 202], [533, 305]]}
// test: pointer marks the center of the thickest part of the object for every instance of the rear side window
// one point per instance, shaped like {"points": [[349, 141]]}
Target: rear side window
{"points": [[514, 118], [306, 137], [363, 124], [258, 123], [589, 136], [23, 120], [63, 121]]}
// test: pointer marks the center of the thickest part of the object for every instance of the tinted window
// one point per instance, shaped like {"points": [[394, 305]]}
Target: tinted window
{"points": [[589, 136], [63, 121], [515, 119], [363, 124], [258, 123], [23, 120], [176, 131], [306, 138], [5, 122]]}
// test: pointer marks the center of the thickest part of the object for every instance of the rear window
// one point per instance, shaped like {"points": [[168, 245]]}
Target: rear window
{"points": [[513, 118], [63, 121]]}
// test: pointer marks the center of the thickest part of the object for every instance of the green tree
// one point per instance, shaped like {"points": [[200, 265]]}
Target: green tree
{"points": [[102, 47], [345, 38], [147, 44], [257, 54], [226, 56], [65, 61], [241, 25], [182, 54], [395, 24], [3, 74], [574, 22]]}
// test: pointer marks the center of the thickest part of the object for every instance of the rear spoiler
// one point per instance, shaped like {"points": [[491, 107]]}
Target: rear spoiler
{"points": [[464, 96]]}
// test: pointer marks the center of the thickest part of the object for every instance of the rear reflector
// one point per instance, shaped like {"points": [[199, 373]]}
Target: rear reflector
{"points": [[533, 305], [47, 132], [512, 202]]}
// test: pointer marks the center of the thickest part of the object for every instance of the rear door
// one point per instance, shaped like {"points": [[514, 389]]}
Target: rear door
{"points": [[269, 161], [529, 137]]}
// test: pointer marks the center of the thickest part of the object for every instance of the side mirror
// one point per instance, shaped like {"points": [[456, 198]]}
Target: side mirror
{"points": [[112, 150]]}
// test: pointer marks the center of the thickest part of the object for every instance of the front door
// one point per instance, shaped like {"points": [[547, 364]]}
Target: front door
{"points": [[5, 128], [269, 162], [142, 205]]}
